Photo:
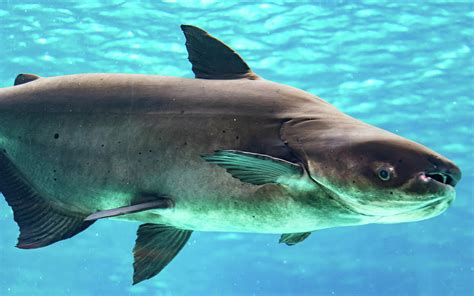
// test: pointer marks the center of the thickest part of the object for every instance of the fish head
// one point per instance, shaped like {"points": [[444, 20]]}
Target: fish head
{"points": [[377, 173]]}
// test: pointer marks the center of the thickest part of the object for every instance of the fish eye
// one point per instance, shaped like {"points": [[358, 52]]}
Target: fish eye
{"points": [[385, 173]]}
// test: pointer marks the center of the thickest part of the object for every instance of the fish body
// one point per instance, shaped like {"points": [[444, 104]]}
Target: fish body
{"points": [[105, 138], [228, 151]]}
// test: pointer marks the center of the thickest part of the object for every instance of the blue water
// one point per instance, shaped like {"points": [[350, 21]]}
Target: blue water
{"points": [[407, 68]]}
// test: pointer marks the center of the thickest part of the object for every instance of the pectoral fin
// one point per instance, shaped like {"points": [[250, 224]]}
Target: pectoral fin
{"points": [[255, 168], [143, 205], [155, 247], [293, 238]]}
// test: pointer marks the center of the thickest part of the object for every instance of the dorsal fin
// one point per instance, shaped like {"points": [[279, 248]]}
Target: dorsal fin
{"points": [[25, 78], [212, 59]]}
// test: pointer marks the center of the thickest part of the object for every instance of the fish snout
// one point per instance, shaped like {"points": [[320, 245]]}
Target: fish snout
{"points": [[443, 171]]}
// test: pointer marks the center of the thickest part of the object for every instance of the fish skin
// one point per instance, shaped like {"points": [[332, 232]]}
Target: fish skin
{"points": [[94, 142], [85, 141], [231, 152]]}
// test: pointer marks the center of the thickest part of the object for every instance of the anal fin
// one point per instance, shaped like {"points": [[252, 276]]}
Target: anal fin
{"points": [[155, 247], [41, 222]]}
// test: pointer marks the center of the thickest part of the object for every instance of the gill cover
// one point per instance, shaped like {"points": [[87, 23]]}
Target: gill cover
{"points": [[317, 143], [325, 146]]}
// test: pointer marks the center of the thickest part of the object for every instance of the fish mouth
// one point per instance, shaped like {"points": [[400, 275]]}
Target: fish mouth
{"points": [[444, 173], [437, 182], [443, 178]]}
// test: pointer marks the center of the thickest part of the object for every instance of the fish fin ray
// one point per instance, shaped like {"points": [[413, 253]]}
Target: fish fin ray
{"points": [[156, 245], [25, 78], [291, 239], [41, 223], [138, 205], [212, 59], [254, 168]]}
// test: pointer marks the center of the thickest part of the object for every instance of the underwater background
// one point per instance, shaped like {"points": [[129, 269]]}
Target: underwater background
{"points": [[407, 68]]}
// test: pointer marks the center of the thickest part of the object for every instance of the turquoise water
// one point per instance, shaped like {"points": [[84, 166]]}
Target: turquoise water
{"points": [[407, 68]]}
